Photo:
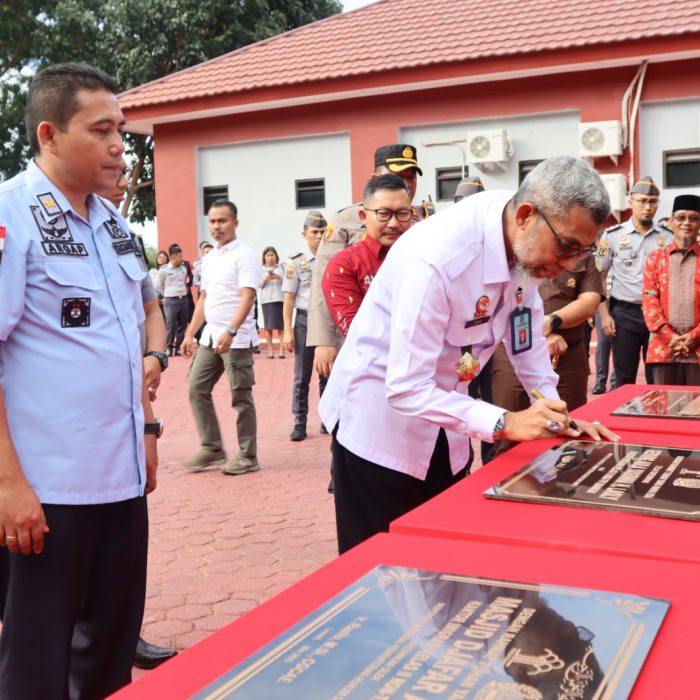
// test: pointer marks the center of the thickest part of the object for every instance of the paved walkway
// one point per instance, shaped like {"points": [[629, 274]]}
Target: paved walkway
{"points": [[220, 545]]}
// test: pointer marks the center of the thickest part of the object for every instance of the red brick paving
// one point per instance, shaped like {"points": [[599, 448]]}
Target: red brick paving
{"points": [[220, 545]]}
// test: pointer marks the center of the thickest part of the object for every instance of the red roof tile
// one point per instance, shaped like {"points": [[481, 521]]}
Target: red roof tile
{"points": [[399, 34]]}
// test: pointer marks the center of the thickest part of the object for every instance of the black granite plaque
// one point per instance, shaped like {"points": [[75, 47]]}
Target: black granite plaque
{"points": [[662, 403], [416, 634], [662, 481]]}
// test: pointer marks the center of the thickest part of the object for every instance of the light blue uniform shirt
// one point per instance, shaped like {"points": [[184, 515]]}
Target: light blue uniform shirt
{"points": [[70, 357]]}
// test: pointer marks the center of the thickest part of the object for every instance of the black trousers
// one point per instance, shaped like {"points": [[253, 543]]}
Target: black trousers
{"points": [[631, 339], [368, 497], [303, 369], [72, 614]]}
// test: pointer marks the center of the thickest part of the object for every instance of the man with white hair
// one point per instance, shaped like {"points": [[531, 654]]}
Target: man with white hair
{"points": [[397, 401]]}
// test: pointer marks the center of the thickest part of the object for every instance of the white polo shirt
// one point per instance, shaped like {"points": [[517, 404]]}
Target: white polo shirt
{"points": [[225, 271], [394, 383]]}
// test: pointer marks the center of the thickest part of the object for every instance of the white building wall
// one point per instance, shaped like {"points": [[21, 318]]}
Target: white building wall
{"points": [[534, 137], [260, 176], [667, 126]]}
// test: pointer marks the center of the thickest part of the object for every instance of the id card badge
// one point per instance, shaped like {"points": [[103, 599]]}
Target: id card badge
{"points": [[520, 330]]}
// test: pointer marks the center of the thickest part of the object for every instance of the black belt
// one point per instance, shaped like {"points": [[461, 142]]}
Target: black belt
{"points": [[303, 312], [625, 304], [184, 296]]}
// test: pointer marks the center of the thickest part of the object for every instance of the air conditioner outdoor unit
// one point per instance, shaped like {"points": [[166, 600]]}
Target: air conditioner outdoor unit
{"points": [[490, 146], [616, 185], [599, 139]]}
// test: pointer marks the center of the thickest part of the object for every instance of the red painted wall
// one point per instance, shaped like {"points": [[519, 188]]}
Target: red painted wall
{"points": [[375, 120]]}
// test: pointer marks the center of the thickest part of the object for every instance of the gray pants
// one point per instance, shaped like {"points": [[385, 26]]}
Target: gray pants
{"points": [[177, 315], [679, 373], [206, 370], [303, 369]]}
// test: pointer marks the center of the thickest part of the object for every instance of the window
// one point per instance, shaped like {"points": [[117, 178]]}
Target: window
{"points": [[212, 194], [682, 168], [525, 167], [310, 194], [446, 181]]}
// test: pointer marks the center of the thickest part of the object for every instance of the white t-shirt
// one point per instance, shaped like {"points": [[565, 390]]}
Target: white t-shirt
{"points": [[225, 271]]}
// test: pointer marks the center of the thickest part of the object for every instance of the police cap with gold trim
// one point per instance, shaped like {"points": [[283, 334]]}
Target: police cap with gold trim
{"points": [[645, 185], [397, 157], [314, 219]]}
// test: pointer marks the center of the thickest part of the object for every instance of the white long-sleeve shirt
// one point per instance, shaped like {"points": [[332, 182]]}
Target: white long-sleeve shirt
{"points": [[394, 383]]}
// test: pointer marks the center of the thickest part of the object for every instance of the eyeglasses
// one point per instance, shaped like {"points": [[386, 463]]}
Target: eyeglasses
{"points": [[643, 202], [384, 215], [693, 220], [569, 250]]}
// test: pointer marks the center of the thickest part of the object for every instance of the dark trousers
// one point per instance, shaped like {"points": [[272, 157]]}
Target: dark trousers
{"points": [[481, 388], [631, 339], [177, 316], [72, 615], [679, 373], [602, 355], [368, 497], [303, 369]]}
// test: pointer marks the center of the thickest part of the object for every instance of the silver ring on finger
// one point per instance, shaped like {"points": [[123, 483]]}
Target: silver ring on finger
{"points": [[553, 426]]}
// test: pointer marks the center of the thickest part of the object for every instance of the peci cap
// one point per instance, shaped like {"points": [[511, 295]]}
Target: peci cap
{"points": [[314, 219], [645, 185], [468, 186], [688, 202], [397, 157]]}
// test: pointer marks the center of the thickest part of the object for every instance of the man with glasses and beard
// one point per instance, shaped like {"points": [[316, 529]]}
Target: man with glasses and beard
{"points": [[454, 287], [671, 299], [621, 255]]}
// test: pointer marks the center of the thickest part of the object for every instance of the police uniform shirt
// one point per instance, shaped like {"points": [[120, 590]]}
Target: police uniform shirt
{"points": [[225, 271], [394, 382], [344, 229], [70, 356], [172, 281], [298, 272], [622, 250]]}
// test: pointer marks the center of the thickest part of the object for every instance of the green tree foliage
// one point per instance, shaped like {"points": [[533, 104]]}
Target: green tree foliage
{"points": [[136, 42]]}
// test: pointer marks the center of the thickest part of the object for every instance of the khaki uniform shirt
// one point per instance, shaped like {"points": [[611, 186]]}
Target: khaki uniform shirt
{"points": [[344, 229], [566, 287]]}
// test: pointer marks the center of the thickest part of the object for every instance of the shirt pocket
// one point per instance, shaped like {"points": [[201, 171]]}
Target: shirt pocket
{"points": [[459, 336], [132, 268], [78, 275]]}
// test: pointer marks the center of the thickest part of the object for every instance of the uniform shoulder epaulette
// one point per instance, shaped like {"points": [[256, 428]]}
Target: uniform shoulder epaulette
{"points": [[295, 255], [613, 228]]}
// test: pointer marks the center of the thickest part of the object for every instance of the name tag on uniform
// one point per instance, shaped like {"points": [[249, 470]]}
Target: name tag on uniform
{"points": [[521, 330]]}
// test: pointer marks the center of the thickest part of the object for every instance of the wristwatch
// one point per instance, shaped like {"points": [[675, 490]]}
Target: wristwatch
{"points": [[161, 357], [498, 428], [231, 330], [555, 321], [154, 428]]}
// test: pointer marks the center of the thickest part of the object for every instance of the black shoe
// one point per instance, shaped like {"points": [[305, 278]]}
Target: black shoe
{"points": [[598, 389], [331, 486], [177, 352], [299, 433], [324, 430], [149, 656], [256, 349]]}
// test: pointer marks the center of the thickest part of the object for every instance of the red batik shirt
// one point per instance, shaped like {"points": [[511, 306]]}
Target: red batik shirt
{"points": [[347, 279], [671, 291]]}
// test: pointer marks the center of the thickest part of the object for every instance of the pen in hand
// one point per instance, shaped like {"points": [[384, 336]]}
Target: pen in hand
{"points": [[572, 423]]}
